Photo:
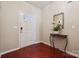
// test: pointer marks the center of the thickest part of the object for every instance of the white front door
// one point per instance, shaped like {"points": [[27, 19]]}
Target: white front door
{"points": [[27, 29]]}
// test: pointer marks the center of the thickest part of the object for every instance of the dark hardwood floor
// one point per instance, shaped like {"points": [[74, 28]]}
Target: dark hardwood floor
{"points": [[39, 50]]}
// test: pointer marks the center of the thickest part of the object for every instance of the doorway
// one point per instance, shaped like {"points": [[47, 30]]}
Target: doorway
{"points": [[27, 29]]}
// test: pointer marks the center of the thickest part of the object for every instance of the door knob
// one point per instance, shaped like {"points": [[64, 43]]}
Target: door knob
{"points": [[21, 28]]}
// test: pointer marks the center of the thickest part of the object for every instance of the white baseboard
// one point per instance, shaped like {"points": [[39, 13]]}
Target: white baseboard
{"points": [[76, 55], [15, 49], [73, 54], [45, 43], [9, 51], [31, 44]]}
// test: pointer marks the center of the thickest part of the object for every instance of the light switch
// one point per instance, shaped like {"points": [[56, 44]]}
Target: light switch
{"points": [[73, 26], [15, 27]]}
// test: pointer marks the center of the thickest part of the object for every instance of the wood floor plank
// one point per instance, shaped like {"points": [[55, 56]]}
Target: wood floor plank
{"points": [[39, 50]]}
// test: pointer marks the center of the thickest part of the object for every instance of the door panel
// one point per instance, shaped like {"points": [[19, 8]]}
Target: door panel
{"points": [[27, 32]]}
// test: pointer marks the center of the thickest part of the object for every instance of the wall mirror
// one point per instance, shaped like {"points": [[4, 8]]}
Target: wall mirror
{"points": [[58, 19]]}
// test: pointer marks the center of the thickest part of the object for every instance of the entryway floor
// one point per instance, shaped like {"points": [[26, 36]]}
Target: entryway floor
{"points": [[39, 50]]}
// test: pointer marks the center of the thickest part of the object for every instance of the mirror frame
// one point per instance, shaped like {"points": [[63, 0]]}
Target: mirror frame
{"points": [[61, 15]]}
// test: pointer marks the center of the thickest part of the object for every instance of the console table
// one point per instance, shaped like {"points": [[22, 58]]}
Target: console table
{"points": [[59, 36]]}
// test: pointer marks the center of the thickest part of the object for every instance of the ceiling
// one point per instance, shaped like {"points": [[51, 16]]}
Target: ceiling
{"points": [[40, 4]]}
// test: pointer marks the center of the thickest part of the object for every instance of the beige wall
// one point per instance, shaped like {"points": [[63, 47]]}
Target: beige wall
{"points": [[9, 35], [71, 23], [0, 28], [9, 19], [9, 38]]}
